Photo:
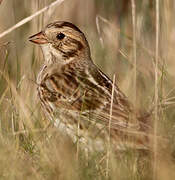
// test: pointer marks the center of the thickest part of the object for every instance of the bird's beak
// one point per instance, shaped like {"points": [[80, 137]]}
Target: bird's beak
{"points": [[38, 38]]}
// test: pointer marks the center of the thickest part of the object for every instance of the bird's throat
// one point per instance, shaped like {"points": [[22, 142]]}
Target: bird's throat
{"points": [[52, 55]]}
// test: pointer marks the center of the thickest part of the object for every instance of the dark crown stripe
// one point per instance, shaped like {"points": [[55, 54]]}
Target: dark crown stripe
{"points": [[60, 24], [68, 24]]}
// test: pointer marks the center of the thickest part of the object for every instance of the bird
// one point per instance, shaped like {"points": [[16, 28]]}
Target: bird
{"points": [[78, 97]]}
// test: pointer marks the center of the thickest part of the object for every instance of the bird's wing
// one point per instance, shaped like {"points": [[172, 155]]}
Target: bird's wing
{"points": [[88, 93]]}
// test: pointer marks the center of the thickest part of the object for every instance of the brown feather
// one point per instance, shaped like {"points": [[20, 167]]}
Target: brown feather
{"points": [[72, 88]]}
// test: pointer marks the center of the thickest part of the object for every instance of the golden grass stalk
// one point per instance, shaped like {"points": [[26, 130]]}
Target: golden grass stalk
{"points": [[29, 18], [109, 130], [134, 49], [156, 89]]}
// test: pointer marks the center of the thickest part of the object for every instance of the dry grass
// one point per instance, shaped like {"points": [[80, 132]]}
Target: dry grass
{"points": [[133, 39]]}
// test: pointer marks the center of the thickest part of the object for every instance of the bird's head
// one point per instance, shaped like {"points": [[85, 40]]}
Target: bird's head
{"points": [[62, 41]]}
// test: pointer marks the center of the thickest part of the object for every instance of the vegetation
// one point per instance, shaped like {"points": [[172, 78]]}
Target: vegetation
{"points": [[30, 146]]}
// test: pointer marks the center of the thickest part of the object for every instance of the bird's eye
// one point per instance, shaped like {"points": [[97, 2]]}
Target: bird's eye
{"points": [[60, 36]]}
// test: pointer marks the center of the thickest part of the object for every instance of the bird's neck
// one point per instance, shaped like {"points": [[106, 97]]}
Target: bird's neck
{"points": [[52, 56]]}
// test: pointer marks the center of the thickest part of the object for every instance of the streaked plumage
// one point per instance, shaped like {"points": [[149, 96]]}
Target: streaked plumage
{"points": [[73, 89]]}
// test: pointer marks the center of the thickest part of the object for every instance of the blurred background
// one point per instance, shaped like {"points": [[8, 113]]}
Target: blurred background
{"points": [[29, 149]]}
